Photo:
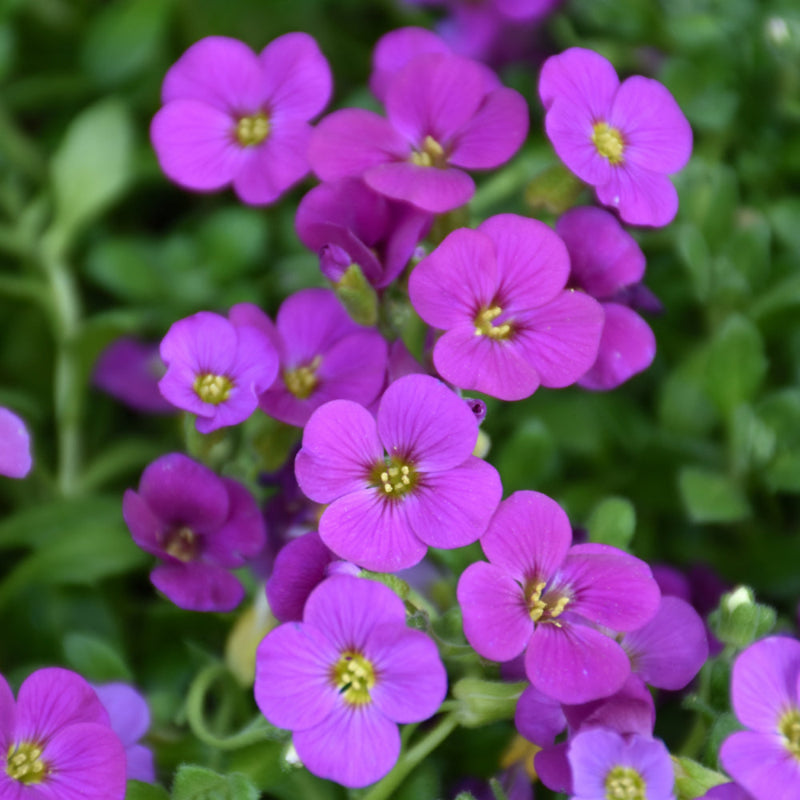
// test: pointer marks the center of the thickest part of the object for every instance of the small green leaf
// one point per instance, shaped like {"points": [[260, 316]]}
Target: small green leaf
{"points": [[95, 659], [693, 779], [136, 790], [482, 702], [199, 783], [613, 522], [711, 496]]}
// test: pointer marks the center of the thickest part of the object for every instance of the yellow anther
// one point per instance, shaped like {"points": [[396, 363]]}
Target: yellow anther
{"points": [[24, 763], [608, 141], [354, 677], [484, 325], [214, 389], [181, 543], [396, 479], [431, 154], [302, 381], [252, 130], [789, 728], [625, 783]]}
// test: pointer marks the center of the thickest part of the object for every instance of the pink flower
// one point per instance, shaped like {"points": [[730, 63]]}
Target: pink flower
{"points": [[231, 116], [15, 445]]}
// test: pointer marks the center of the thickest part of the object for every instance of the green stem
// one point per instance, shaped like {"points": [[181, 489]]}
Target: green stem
{"points": [[409, 760]]}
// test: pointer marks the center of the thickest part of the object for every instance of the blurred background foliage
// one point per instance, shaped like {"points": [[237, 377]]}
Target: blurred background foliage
{"points": [[697, 460]]}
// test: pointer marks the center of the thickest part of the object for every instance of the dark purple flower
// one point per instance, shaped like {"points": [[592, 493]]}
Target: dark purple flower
{"points": [[622, 138], [542, 596], [15, 445], [510, 325], [765, 759], [216, 368], [56, 742], [344, 677], [442, 120], [200, 525], [401, 483], [233, 117], [606, 261]]}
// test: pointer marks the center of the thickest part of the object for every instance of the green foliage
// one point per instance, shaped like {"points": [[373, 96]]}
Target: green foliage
{"points": [[199, 783], [613, 521]]}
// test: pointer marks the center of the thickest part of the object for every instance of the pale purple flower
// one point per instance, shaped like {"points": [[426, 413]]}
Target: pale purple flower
{"points": [[56, 742], [233, 117], [200, 525], [442, 119], [622, 138], [323, 355], [605, 764], [542, 596], [345, 222], [344, 677], [15, 445], [765, 758], [130, 720], [401, 483], [216, 368], [606, 261], [510, 325]]}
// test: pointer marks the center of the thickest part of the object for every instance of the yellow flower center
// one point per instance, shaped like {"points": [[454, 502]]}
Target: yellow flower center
{"points": [[24, 763], [302, 381], [431, 155], [354, 676], [545, 608], [625, 783], [608, 141], [181, 543], [214, 389], [394, 478], [789, 728], [484, 325], [252, 130]]}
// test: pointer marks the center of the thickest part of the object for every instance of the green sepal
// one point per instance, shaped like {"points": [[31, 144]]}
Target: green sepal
{"points": [[357, 296]]}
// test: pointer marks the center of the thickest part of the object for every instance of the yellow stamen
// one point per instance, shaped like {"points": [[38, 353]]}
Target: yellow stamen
{"points": [[484, 325], [431, 155], [252, 130], [608, 141], [789, 728], [547, 608], [302, 381], [214, 389], [181, 543], [354, 677], [625, 783], [395, 479], [24, 763]]}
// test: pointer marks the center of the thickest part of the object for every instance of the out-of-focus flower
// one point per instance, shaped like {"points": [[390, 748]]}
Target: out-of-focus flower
{"points": [[15, 445]]}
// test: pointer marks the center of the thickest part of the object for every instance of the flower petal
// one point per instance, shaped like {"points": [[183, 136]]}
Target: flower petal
{"points": [[584, 78], [641, 196], [198, 587], [15, 445], [429, 188], [760, 763]]}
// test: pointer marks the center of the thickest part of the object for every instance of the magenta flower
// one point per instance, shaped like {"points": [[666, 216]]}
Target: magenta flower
{"points": [[622, 138], [216, 368], [346, 223], [542, 596], [442, 119], [343, 678], [130, 720], [765, 759], [510, 326], [323, 355], [56, 742], [233, 117], [200, 525], [605, 764], [606, 262], [726, 791], [15, 445], [401, 483]]}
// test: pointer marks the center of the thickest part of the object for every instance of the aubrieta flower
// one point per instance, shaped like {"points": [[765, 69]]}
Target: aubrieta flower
{"points": [[233, 117], [622, 138], [726, 791], [510, 325], [543, 596], [200, 525], [15, 445], [56, 742], [606, 765], [345, 222], [605, 261], [401, 483], [323, 355], [216, 368], [442, 119], [344, 677], [765, 759]]}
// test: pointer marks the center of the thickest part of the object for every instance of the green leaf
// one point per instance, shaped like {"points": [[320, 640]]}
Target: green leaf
{"points": [[95, 659], [711, 496], [483, 702], [528, 457], [199, 783], [92, 167], [693, 779], [613, 522], [136, 790], [693, 252]]}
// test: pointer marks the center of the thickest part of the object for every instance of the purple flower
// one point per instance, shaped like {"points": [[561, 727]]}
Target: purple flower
{"points": [[765, 759], [622, 138], [323, 354], [342, 679], [216, 368], [726, 791], [442, 119], [231, 116], [540, 595], [401, 483], [346, 223], [605, 764], [200, 525], [130, 720], [15, 445], [56, 742], [498, 292], [606, 261], [129, 370]]}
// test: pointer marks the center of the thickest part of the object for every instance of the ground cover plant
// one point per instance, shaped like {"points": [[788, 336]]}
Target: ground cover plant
{"points": [[400, 399]]}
